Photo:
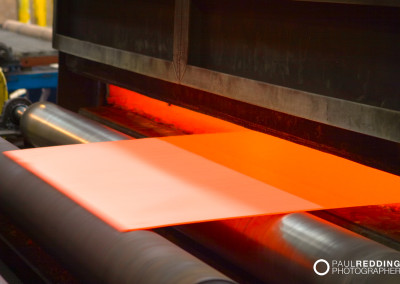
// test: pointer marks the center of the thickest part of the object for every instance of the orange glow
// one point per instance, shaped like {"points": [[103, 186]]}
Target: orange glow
{"points": [[249, 239], [155, 182], [181, 118], [322, 178]]}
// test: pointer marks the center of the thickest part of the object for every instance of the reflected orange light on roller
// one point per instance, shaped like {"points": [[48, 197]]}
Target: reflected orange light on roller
{"points": [[181, 118], [256, 243], [57, 128]]}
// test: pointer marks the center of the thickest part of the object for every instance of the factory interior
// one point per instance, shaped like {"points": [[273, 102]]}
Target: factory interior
{"points": [[199, 141]]}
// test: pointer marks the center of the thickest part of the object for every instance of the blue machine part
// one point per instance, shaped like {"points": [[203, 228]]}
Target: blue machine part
{"points": [[35, 79]]}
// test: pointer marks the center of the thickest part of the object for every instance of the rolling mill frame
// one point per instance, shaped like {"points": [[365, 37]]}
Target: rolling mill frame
{"points": [[319, 73]]}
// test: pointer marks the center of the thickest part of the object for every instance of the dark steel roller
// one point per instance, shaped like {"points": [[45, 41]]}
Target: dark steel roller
{"points": [[46, 124], [88, 246], [284, 248]]}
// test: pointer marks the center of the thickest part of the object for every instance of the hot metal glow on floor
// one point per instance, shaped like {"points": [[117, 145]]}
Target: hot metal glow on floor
{"points": [[157, 182]]}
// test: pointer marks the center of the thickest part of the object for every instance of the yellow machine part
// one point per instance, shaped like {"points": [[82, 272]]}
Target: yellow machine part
{"points": [[3, 89], [40, 8], [23, 11], [39, 11]]}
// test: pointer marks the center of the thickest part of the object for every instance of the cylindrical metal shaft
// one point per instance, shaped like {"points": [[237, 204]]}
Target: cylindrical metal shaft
{"points": [[19, 111], [91, 248], [28, 29], [284, 248], [46, 124]]}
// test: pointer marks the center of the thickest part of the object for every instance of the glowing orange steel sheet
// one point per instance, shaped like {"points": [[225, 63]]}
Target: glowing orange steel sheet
{"points": [[322, 178], [157, 182]]}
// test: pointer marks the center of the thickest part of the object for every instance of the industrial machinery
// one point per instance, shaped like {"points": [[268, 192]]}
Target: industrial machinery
{"points": [[319, 73], [28, 69], [28, 60]]}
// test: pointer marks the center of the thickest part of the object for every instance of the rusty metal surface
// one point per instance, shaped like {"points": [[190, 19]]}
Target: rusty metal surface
{"points": [[30, 61]]}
